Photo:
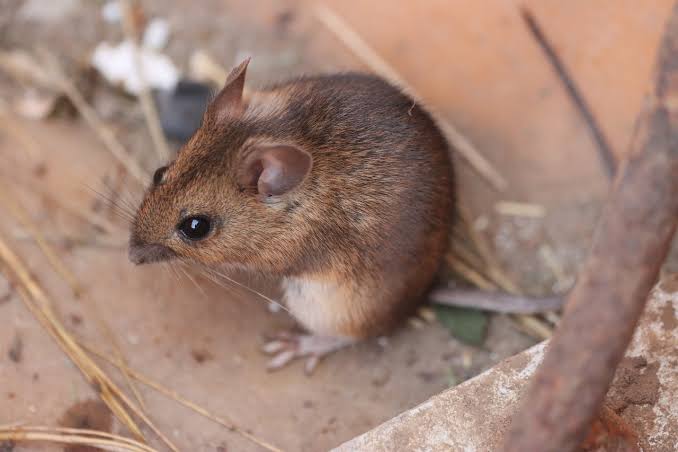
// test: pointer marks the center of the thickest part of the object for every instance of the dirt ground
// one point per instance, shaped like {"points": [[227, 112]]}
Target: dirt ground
{"points": [[475, 62]]}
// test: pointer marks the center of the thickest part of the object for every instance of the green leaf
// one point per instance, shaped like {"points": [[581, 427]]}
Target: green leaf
{"points": [[467, 325]]}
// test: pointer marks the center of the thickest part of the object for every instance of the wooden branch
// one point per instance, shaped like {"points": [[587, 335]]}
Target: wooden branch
{"points": [[630, 244]]}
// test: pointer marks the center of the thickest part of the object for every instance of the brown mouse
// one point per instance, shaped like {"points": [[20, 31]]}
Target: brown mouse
{"points": [[341, 185]]}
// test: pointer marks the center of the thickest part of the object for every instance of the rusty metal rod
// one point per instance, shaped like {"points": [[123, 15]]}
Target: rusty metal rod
{"points": [[630, 244]]}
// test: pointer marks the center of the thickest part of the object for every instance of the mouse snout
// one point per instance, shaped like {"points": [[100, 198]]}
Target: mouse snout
{"points": [[145, 254]]}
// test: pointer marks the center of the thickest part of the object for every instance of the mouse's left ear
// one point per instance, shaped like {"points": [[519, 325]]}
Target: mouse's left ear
{"points": [[229, 101], [275, 170]]}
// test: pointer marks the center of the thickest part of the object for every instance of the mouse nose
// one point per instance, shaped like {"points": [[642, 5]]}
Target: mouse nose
{"points": [[137, 255], [144, 254]]}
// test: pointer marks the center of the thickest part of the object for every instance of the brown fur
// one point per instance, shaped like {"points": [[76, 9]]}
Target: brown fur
{"points": [[370, 220]]}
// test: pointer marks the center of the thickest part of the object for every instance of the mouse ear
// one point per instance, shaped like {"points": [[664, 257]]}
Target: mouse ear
{"points": [[229, 101], [275, 170]]}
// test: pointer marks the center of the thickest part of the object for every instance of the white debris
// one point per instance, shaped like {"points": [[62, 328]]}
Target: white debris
{"points": [[117, 63], [112, 12], [156, 34]]}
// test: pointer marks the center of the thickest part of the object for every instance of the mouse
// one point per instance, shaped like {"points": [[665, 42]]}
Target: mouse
{"points": [[341, 186]]}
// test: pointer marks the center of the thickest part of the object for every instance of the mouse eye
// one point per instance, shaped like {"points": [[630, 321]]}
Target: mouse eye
{"points": [[195, 228], [159, 175]]}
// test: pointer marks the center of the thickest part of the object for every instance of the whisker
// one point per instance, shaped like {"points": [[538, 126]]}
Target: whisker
{"points": [[120, 210], [114, 194], [221, 283], [171, 271], [187, 273], [249, 289], [173, 268], [129, 199]]}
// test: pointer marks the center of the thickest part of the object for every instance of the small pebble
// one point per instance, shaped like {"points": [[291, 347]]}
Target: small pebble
{"points": [[15, 352]]}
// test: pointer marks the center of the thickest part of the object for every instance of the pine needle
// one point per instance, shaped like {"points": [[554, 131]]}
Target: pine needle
{"points": [[85, 437], [37, 301], [179, 399]]}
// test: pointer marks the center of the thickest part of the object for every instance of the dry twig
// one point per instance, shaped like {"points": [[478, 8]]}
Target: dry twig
{"points": [[520, 209], [72, 436], [145, 98], [491, 277], [179, 399], [22, 216], [37, 301], [92, 118], [376, 63]]}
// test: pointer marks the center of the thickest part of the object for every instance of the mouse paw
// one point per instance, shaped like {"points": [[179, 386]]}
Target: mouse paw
{"points": [[286, 347]]}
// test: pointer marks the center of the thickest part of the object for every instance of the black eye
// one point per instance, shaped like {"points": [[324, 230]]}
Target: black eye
{"points": [[195, 228], [158, 175]]}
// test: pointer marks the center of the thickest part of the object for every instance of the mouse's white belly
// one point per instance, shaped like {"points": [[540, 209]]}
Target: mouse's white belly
{"points": [[321, 306]]}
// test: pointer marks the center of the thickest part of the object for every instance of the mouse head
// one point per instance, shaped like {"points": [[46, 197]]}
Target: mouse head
{"points": [[232, 195]]}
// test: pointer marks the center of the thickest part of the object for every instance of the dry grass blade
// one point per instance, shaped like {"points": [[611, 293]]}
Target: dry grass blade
{"points": [[492, 267], [469, 274], [520, 209], [551, 260], [533, 326], [73, 436], [39, 304], [92, 118], [74, 241], [187, 403], [22, 216], [491, 276], [145, 98], [23, 68], [374, 61]]}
